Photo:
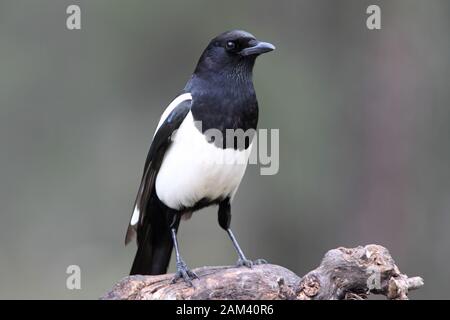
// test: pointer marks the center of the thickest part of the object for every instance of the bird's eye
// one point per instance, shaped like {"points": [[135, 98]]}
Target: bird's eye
{"points": [[231, 45]]}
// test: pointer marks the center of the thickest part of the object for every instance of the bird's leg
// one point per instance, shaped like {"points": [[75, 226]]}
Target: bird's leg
{"points": [[243, 261], [182, 269], [224, 222]]}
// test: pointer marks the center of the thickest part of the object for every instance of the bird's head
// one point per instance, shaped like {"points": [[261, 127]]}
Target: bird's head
{"points": [[233, 51]]}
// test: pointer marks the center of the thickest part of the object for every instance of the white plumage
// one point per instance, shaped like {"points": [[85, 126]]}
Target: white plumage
{"points": [[175, 103], [194, 169], [135, 216]]}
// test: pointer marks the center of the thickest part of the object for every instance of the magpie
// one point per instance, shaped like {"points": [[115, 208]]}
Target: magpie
{"points": [[193, 162]]}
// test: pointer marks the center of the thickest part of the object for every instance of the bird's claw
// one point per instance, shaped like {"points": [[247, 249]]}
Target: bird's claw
{"points": [[260, 261], [183, 272], [244, 263]]}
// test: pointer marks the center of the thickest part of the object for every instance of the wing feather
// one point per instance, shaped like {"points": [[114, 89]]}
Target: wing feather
{"points": [[170, 121]]}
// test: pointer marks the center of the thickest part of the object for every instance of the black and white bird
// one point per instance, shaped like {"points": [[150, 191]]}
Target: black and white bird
{"points": [[187, 168]]}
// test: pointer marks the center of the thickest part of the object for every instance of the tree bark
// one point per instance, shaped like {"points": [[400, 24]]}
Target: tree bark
{"points": [[344, 273]]}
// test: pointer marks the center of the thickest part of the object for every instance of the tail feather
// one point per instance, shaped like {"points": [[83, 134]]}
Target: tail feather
{"points": [[154, 243]]}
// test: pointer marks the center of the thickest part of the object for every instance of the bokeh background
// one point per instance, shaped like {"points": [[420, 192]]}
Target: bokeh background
{"points": [[364, 127]]}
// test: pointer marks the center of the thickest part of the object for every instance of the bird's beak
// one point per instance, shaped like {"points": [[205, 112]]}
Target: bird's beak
{"points": [[259, 48]]}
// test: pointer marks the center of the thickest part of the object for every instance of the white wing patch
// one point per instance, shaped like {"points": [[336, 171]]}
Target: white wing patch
{"points": [[135, 216], [181, 98]]}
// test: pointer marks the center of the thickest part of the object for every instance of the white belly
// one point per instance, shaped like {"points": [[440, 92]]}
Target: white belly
{"points": [[193, 169]]}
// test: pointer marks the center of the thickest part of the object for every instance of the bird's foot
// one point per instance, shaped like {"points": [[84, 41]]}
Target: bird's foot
{"points": [[183, 272], [250, 263], [260, 261], [244, 263]]}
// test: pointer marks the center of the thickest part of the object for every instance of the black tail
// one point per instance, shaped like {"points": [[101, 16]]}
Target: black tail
{"points": [[154, 242]]}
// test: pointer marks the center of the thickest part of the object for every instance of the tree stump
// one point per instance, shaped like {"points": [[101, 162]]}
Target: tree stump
{"points": [[344, 273]]}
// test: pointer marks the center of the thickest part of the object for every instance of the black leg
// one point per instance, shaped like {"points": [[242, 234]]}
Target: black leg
{"points": [[182, 269], [224, 222], [243, 261]]}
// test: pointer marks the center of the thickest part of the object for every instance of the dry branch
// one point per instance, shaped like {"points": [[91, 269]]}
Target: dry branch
{"points": [[343, 274]]}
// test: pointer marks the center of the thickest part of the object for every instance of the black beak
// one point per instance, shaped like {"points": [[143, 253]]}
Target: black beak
{"points": [[259, 48]]}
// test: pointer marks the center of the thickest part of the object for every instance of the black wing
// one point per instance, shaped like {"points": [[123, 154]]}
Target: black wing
{"points": [[161, 141]]}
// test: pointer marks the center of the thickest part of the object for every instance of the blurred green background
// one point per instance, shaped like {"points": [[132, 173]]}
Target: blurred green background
{"points": [[363, 117]]}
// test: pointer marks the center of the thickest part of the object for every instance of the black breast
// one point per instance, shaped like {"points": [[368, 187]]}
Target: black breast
{"points": [[226, 113]]}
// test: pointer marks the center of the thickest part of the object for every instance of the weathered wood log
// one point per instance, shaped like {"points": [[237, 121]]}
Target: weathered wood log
{"points": [[343, 274]]}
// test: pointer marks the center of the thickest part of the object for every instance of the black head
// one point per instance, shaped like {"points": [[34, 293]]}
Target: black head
{"points": [[232, 51]]}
